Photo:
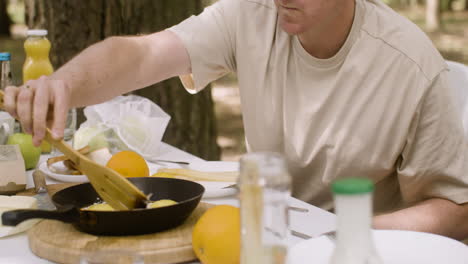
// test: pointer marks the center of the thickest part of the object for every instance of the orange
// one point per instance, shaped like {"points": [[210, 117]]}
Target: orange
{"points": [[129, 164], [216, 236]]}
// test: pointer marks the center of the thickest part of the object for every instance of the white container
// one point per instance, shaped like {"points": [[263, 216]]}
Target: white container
{"points": [[353, 207], [264, 185]]}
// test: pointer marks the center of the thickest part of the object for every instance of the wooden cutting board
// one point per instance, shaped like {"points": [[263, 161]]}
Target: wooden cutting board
{"points": [[62, 243]]}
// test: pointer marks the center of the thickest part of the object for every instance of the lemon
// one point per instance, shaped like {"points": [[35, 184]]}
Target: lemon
{"points": [[161, 203], [99, 207]]}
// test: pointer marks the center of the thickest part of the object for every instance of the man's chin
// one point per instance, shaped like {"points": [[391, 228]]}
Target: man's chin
{"points": [[290, 28]]}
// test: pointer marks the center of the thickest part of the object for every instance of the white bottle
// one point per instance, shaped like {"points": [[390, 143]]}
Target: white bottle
{"points": [[353, 208], [264, 185]]}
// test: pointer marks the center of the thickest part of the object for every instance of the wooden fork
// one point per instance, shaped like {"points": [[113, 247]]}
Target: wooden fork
{"points": [[112, 187]]}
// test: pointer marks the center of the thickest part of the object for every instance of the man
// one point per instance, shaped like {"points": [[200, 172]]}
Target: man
{"points": [[340, 87]]}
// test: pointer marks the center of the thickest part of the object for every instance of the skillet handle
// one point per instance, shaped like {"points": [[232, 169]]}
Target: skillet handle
{"points": [[15, 217]]}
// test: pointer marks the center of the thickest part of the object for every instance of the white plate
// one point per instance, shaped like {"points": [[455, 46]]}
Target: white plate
{"points": [[216, 189], [59, 167], [395, 247], [212, 189]]}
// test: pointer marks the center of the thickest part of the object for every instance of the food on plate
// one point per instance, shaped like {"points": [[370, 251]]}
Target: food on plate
{"points": [[129, 164], [70, 166], [30, 153], [194, 175], [100, 156], [216, 236], [106, 207], [93, 137], [8, 203], [163, 175]]}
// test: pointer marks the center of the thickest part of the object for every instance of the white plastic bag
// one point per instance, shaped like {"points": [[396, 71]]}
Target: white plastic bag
{"points": [[123, 123]]}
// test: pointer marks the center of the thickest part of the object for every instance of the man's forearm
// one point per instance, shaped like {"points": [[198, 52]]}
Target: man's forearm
{"points": [[437, 216], [121, 64]]}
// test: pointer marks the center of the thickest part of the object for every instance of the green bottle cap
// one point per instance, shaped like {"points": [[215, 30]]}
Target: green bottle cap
{"points": [[353, 186]]}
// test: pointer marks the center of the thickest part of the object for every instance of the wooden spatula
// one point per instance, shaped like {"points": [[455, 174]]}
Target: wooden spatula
{"points": [[113, 188]]}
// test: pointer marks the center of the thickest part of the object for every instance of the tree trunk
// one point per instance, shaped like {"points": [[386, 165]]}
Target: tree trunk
{"points": [[5, 21], [446, 5], [74, 25], [414, 4], [433, 15]]}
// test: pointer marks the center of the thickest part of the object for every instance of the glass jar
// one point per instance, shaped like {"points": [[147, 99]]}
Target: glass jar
{"points": [[265, 187], [5, 74]]}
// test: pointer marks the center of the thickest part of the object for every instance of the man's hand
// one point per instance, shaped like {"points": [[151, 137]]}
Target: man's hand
{"points": [[438, 216], [95, 76], [37, 104]]}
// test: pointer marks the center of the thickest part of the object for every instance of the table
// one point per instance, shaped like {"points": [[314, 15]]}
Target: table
{"points": [[15, 249]]}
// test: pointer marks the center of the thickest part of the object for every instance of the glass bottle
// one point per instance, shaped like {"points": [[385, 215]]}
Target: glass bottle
{"points": [[37, 64], [353, 208], [5, 78], [265, 186]]}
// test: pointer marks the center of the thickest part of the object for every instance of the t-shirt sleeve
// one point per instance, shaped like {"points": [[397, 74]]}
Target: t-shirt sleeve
{"points": [[209, 39], [434, 160]]}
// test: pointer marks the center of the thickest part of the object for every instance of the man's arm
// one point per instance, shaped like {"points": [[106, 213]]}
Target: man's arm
{"points": [[121, 64], [104, 70], [438, 216]]}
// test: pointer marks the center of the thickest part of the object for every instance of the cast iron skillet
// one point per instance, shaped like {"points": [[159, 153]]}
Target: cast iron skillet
{"points": [[70, 200]]}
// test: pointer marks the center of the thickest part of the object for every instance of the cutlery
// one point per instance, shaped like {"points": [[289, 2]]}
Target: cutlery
{"points": [[331, 235], [291, 208], [232, 186], [300, 235], [42, 196], [293, 232], [169, 161], [113, 188], [46, 208], [298, 209]]}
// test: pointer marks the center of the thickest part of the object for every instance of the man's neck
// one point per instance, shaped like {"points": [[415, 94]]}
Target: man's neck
{"points": [[325, 41]]}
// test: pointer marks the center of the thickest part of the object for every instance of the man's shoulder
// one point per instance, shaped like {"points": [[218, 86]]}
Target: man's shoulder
{"points": [[248, 8], [267, 5], [404, 37], [262, 3]]}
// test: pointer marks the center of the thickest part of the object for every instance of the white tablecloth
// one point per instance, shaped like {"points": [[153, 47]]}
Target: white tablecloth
{"points": [[15, 250]]}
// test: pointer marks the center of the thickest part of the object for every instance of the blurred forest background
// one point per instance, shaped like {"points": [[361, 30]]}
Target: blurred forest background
{"points": [[221, 137]]}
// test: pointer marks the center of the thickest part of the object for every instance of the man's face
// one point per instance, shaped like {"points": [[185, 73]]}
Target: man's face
{"points": [[299, 16]]}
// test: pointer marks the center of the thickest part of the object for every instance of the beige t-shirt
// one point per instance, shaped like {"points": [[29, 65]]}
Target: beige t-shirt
{"points": [[380, 108]]}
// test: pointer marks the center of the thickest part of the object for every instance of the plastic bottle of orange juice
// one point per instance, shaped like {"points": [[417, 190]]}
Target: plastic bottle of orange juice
{"points": [[37, 48], [37, 64]]}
